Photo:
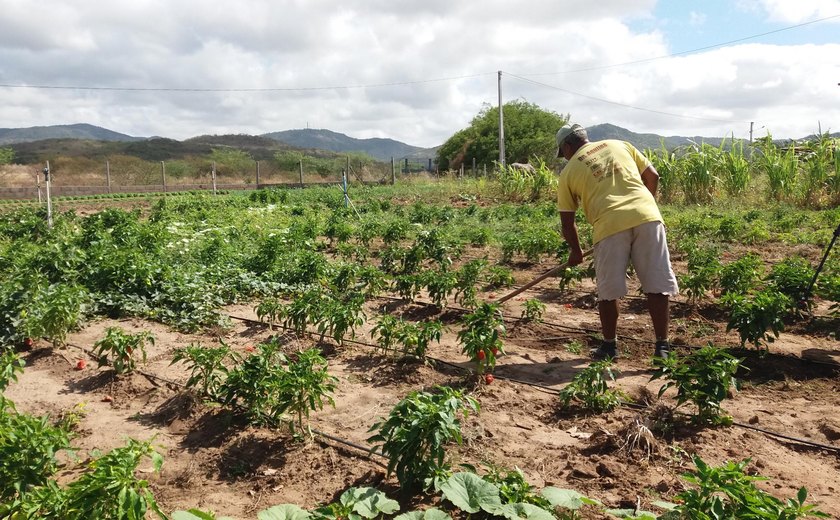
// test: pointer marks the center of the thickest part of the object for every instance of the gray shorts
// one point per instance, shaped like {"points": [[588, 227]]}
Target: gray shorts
{"points": [[647, 247]]}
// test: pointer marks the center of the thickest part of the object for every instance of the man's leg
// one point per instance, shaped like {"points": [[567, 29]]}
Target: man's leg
{"points": [[653, 267], [608, 311], [658, 307]]}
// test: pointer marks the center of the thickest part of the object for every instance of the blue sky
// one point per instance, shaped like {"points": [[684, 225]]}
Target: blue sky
{"points": [[693, 25], [417, 71]]}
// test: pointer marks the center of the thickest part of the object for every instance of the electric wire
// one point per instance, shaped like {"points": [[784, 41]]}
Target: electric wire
{"points": [[689, 51], [625, 105], [253, 89]]}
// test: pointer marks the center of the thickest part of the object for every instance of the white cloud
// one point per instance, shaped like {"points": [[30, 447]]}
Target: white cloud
{"points": [[259, 44], [798, 11]]}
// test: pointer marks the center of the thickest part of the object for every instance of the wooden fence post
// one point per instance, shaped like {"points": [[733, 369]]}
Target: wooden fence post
{"points": [[300, 164], [258, 174], [163, 174]]}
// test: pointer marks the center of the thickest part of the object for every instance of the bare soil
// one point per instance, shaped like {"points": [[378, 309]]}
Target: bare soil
{"points": [[215, 461]]}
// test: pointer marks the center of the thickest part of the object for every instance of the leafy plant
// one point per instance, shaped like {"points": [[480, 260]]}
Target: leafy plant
{"points": [[206, 366], [703, 378], [413, 339], [109, 489], [256, 385], [499, 276], [792, 277], [703, 269], [120, 348], [740, 276], [591, 388], [306, 386], [355, 504], [480, 338], [752, 316], [28, 448], [728, 492], [416, 432], [533, 310], [11, 365], [269, 310]]}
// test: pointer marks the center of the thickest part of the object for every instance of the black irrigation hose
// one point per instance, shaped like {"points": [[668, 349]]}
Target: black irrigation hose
{"points": [[331, 437], [591, 331], [555, 392]]}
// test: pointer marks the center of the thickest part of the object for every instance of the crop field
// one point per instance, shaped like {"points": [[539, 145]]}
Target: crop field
{"points": [[284, 354]]}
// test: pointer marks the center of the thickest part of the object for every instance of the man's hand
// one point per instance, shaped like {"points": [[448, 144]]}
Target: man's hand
{"points": [[575, 257]]}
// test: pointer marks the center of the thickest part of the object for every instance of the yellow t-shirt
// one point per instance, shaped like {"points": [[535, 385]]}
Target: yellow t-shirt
{"points": [[605, 178]]}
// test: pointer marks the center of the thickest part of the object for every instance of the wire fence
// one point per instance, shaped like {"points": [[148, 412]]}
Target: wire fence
{"points": [[68, 178]]}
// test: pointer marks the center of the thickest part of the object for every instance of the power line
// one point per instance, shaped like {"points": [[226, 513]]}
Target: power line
{"points": [[602, 100], [268, 89], [690, 51]]}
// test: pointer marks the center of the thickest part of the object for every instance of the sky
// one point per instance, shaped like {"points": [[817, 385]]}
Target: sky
{"points": [[419, 71]]}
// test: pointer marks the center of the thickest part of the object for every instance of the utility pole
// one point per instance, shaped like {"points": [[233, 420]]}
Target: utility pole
{"points": [[501, 126], [751, 131]]}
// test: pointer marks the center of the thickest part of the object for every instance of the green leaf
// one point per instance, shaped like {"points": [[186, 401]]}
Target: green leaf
{"points": [[283, 512], [195, 514], [566, 498], [521, 510], [371, 502], [429, 514], [668, 506], [471, 493]]}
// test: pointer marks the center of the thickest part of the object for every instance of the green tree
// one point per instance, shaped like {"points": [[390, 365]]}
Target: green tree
{"points": [[529, 133], [7, 155]]}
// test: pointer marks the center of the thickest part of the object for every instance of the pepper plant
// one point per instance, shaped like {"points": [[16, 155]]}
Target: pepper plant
{"points": [[533, 310], [727, 491], [480, 338], [703, 378], [255, 384], [206, 366], [120, 348], [305, 387], [590, 388], [415, 434], [753, 315]]}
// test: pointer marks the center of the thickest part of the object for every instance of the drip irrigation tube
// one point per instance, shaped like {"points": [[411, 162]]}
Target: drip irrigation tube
{"points": [[550, 390], [595, 331]]}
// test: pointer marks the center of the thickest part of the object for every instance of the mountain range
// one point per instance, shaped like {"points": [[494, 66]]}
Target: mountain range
{"points": [[33, 142]]}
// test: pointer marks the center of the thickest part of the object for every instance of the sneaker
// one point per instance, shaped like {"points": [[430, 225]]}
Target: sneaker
{"points": [[663, 348], [606, 350]]}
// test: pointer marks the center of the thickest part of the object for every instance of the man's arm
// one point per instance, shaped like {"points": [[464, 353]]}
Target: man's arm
{"points": [[651, 179], [569, 229]]}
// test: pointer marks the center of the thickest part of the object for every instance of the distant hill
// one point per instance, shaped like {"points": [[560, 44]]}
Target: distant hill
{"points": [[76, 131], [382, 149], [643, 141], [39, 143]]}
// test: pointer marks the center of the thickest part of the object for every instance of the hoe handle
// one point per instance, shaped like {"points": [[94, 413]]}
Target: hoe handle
{"points": [[535, 281]]}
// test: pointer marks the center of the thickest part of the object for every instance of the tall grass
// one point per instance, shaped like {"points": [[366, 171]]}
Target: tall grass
{"points": [[667, 165], [780, 166], [735, 168], [699, 179]]}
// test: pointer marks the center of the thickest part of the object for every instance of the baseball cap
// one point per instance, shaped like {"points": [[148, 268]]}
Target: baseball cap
{"points": [[567, 130]]}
